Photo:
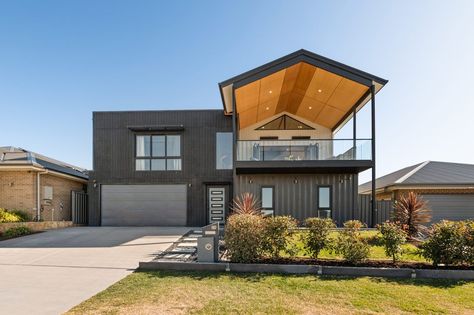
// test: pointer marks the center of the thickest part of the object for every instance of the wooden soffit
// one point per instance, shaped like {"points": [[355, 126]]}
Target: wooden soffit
{"points": [[303, 90]]}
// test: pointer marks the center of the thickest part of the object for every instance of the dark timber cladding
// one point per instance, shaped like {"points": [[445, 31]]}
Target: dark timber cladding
{"points": [[296, 194], [114, 154]]}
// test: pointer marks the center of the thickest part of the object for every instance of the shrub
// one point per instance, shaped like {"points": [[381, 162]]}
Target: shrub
{"points": [[393, 237], [246, 203], [449, 243], [469, 242], [17, 231], [316, 238], [23, 215], [277, 233], [7, 216], [244, 237], [412, 212], [350, 244]]}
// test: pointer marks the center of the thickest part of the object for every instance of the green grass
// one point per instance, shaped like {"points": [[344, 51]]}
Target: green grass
{"points": [[203, 293], [376, 252]]}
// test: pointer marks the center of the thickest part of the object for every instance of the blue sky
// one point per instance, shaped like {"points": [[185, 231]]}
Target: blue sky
{"points": [[61, 60]]}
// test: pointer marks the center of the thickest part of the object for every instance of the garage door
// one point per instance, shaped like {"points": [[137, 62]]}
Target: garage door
{"points": [[142, 205], [451, 207]]}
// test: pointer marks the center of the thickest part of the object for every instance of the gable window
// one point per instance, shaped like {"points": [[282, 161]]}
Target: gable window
{"points": [[224, 150], [267, 197], [158, 153], [285, 122], [324, 201]]}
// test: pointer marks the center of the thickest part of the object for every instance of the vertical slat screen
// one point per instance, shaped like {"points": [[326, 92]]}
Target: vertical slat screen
{"points": [[79, 207]]}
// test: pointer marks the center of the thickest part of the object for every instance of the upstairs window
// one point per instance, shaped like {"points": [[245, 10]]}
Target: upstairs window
{"points": [[285, 122], [224, 150], [158, 153]]}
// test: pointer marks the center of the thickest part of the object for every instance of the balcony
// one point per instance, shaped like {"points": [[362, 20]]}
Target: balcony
{"points": [[318, 155]]}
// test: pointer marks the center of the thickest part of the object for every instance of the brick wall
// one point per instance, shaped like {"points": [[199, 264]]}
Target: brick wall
{"points": [[62, 188], [397, 193], [18, 190]]}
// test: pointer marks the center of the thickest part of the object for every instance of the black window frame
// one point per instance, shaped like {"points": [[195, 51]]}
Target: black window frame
{"points": [[330, 208], [273, 196], [165, 158], [231, 153]]}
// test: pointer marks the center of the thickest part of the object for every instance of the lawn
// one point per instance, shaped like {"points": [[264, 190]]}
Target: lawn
{"points": [[204, 293], [376, 252]]}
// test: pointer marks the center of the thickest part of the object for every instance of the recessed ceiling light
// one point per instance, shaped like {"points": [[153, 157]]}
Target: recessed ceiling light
{"points": [[270, 92], [267, 108], [319, 91], [310, 107]]}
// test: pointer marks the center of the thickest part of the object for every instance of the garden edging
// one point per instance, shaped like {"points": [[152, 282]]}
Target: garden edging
{"points": [[311, 269], [36, 226]]}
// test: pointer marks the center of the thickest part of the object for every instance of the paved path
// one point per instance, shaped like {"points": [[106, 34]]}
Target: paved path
{"points": [[50, 272]]}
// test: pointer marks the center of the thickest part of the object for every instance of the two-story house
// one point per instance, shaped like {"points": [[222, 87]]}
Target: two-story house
{"points": [[273, 138]]}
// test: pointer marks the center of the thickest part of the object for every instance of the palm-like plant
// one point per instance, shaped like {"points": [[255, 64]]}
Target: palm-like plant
{"points": [[412, 212], [246, 203]]}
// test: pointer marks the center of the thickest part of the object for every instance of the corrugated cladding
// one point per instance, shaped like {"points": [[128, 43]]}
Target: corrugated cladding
{"points": [[296, 194]]}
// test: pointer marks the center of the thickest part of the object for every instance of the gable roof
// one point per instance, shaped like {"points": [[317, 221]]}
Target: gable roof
{"points": [[13, 156], [331, 89], [426, 173]]}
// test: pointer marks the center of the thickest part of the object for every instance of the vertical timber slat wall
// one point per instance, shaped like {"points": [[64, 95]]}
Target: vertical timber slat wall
{"points": [[114, 155]]}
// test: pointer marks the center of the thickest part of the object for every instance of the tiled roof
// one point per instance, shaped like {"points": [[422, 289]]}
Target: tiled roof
{"points": [[426, 173], [17, 156]]}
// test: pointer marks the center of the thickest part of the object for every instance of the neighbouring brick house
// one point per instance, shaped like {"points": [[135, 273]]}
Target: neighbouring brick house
{"points": [[447, 187], [32, 182]]}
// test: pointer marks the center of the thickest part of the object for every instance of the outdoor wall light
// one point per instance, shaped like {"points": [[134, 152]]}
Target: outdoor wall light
{"points": [[94, 183], [295, 181], [190, 185], [250, 181]]}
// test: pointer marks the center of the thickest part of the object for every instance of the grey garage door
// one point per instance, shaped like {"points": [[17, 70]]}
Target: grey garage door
{"points": [[142, 205], [451, 207]]}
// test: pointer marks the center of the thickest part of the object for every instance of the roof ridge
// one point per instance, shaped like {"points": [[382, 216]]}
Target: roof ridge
{"points": [[410, 173]]}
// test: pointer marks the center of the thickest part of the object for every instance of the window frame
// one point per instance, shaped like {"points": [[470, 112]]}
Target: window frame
{"points": [[320, 209], [165, 158], [273, 196], [231, 149]]}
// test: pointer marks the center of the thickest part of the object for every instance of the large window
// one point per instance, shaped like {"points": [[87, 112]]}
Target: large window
{"points": [[267, 197], [158, 153], [224, 150], [324, 201]]}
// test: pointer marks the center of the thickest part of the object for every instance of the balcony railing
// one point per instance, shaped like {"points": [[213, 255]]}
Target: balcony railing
{"points": [[304, 150]]}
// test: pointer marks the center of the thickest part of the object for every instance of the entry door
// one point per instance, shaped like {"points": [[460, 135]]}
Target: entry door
{"points": [[216, 203]]}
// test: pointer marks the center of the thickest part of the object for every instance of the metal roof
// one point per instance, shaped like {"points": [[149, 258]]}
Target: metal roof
{"points": [[13, 156], [426, 173]]}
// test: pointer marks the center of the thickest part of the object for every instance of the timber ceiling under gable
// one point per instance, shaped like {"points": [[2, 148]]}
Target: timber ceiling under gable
{"points": [[303, 90]]}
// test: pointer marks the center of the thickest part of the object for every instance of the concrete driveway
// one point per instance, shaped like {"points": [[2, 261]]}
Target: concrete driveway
{"points": [[50, 272]]}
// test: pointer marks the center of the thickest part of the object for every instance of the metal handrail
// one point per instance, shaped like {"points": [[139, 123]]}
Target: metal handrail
{"points": [[302, 140]]}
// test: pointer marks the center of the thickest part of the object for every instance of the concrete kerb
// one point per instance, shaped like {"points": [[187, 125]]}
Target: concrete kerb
{"points": [[311, 269]]}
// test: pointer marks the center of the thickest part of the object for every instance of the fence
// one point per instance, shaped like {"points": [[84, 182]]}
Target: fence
{"points": [[384, 209], [79, 207]]}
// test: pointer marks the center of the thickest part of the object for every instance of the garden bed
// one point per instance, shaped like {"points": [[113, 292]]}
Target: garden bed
{"points": [[320, 270], [368, 263]]}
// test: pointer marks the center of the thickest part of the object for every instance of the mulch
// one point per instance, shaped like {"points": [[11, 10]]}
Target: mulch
{"points": [[368, 263]]}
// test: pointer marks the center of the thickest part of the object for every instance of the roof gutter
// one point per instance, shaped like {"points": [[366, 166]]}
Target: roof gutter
{"points": [[41, 169]]}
